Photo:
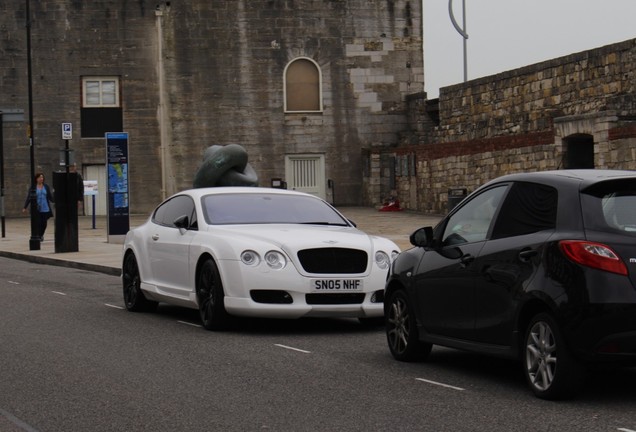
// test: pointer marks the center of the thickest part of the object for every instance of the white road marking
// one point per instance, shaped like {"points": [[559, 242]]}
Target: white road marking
{"points": [[292, 348], [14, 283], [440, 384], [190, 324], [625, 430], [113, 306], [57, 292], [16, 421]]}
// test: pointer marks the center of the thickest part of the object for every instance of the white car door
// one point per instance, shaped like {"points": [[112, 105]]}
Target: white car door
{"points": [[168, 247]]}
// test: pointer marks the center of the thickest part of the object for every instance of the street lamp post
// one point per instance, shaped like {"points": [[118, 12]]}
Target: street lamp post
{"points": [[34, 241], [461, 31]]}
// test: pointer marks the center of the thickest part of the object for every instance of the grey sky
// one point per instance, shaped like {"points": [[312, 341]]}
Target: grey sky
{"points": [[507, 34]]}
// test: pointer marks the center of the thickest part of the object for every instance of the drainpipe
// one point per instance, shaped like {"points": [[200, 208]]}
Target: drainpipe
{"points": [[162, 117]]}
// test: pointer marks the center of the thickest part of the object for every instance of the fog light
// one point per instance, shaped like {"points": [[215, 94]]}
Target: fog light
{"points": [[377, 297]]}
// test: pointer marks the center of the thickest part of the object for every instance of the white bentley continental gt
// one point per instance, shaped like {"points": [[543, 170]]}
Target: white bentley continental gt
{"points": [[254, 252]]}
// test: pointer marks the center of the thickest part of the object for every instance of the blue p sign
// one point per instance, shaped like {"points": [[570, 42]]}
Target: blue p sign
{"points": [[67, 131]]}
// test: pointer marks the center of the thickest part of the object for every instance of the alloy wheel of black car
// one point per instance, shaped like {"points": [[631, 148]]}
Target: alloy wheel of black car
{"points": [[550, 370], [401, 329], [134, 298], [210, 297]]}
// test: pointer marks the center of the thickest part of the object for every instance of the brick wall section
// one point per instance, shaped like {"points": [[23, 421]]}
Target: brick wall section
{"points": [[622, 132], [506, 123]]}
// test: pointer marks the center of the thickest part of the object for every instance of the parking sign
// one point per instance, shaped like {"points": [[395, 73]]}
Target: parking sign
{"points": [[67, 131]]}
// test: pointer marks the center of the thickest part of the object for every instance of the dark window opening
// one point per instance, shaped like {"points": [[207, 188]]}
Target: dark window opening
{"points": [[97, 121], [579, 152]]}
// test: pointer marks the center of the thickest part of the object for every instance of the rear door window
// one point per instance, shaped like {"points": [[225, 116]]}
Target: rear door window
{"points": [[528, 208]]}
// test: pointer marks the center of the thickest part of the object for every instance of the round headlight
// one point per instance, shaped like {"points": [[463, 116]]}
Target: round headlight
{"points": [[275, 260], [250, 258], [382, 260]]}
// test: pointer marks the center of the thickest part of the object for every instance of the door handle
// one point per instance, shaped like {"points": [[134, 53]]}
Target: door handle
{"points": [[466, 259], [526, 255], [155, 237]]}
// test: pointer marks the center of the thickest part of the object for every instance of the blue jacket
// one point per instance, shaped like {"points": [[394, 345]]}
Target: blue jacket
{"points": [[49, 197]]}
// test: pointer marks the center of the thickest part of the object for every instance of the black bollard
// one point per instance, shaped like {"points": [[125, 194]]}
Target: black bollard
{"points": [[66, 232]]}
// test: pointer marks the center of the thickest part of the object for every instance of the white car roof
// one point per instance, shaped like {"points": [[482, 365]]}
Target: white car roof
{"points": [[199, 192]]}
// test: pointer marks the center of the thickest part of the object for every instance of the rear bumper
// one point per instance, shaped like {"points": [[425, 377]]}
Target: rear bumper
{"points": [[606, 333]]}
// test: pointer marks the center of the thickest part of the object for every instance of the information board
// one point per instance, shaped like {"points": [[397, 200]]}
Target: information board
{"points": [[118, 206]]}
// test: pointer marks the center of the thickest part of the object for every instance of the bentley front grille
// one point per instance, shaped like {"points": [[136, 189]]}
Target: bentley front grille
{"points": [[333, 260]]}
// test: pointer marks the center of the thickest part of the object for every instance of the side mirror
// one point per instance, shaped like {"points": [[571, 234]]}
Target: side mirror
{"points": [[422, 237], [182, 222]]}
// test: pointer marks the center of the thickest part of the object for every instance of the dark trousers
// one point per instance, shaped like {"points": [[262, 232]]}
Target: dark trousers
{"points": [[44, 219]]}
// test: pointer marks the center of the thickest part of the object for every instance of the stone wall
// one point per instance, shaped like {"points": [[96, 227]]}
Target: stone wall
{"points": [[520, 120], [198, 73]]}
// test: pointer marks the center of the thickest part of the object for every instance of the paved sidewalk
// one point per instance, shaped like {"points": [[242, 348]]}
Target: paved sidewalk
{"points": [[97, 254]]}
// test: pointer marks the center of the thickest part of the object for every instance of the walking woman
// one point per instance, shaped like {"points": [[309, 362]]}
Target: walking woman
{"points": [[44, 199]]}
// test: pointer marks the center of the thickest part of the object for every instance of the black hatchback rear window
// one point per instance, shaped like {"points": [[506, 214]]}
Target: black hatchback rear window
{"points": [[610, 205]]}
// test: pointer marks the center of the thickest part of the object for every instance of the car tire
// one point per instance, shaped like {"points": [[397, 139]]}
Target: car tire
{"points": [[550, 370], [401, 329], [134, 298], [210, 297]]}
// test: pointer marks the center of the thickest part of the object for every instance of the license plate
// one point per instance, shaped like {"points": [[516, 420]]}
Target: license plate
{"points": [[336, 285]]}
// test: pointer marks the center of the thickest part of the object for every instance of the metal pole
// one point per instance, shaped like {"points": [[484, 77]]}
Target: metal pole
{"points": [[34, 241], [461, 31], [2, 178], [465, 41]]}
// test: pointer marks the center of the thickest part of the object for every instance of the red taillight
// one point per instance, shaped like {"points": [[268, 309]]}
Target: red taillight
{"points": [[595, 255]]}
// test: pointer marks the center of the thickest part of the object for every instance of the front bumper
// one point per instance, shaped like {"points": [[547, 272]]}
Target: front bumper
{"points": [[297, 298], [299, 308]]}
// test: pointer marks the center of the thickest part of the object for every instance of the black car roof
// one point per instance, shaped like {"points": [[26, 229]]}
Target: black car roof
{"points": [[583, 177]]}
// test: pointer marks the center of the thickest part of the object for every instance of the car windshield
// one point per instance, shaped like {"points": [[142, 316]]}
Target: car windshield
{"points": [[264, 208], [611, 205]]}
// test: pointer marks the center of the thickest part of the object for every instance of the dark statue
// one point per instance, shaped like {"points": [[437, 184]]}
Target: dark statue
{"points": [[225, 166]]}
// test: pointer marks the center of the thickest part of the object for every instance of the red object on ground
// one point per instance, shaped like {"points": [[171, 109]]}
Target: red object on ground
{"points": [[391, 206]]}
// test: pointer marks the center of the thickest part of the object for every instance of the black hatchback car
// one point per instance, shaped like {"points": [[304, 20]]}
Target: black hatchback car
{"points": [[539, 267]]}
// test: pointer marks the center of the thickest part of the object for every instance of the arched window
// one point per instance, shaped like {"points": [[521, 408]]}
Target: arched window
{"points": [[303, 85]]}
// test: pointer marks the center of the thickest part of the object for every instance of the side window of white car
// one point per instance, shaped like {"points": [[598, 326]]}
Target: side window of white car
{"points": [[472, 221], [174, 208]]}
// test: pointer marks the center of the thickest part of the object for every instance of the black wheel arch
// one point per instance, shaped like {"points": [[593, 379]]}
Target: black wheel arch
{"points": [[206, 256], [529, 310]]}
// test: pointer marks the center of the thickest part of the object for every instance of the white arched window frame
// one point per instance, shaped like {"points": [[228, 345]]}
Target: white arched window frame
{"points": [[293, 89]]}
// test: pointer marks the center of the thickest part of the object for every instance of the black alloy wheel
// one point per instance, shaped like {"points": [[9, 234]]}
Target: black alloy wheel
{"points": [[401, 329], [550, 370], [134, 298], [210, 297]]}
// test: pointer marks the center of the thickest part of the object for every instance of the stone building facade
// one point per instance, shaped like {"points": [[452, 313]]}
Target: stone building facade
{"points": [[577, 111], [182, 76], [188, 76]]}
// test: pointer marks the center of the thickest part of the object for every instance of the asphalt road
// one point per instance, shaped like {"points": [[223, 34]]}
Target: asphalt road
{"points": [[72, 359]]}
